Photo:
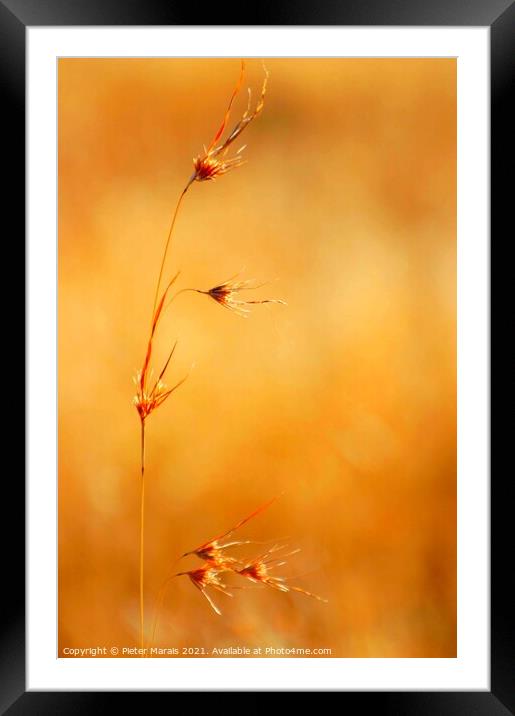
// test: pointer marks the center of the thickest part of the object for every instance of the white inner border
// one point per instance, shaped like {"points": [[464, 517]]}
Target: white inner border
{"points": [[470, 670]]}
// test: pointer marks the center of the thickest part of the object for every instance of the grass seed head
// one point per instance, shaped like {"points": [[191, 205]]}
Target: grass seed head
{"points": [[147, 399], [208, 576], [229, 295], [213, 551], [258, 569], [215, 162]]}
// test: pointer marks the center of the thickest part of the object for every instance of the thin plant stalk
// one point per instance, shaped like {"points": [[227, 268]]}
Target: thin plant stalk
{"points": [[165, 252], [159, 605], [142, 495], [160, 600], [142, 539]]}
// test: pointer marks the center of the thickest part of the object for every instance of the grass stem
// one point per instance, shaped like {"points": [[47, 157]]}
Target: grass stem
{"points": [[142, 539], [165, 252]]}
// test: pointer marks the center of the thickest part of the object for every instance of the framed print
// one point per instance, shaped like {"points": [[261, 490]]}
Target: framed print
{"points": [[257, 360]]}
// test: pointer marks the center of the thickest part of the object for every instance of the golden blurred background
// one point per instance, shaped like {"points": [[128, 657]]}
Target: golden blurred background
{"points": [[345, 399]]}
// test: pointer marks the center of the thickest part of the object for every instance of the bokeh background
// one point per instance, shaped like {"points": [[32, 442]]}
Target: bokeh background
{"points": [[345, 400]]}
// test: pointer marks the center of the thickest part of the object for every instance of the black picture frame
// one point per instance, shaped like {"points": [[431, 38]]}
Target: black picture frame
{"points": [[15, 17]]}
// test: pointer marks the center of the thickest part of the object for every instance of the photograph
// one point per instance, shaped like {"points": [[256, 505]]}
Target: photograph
{"points": [[257, 357]]}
